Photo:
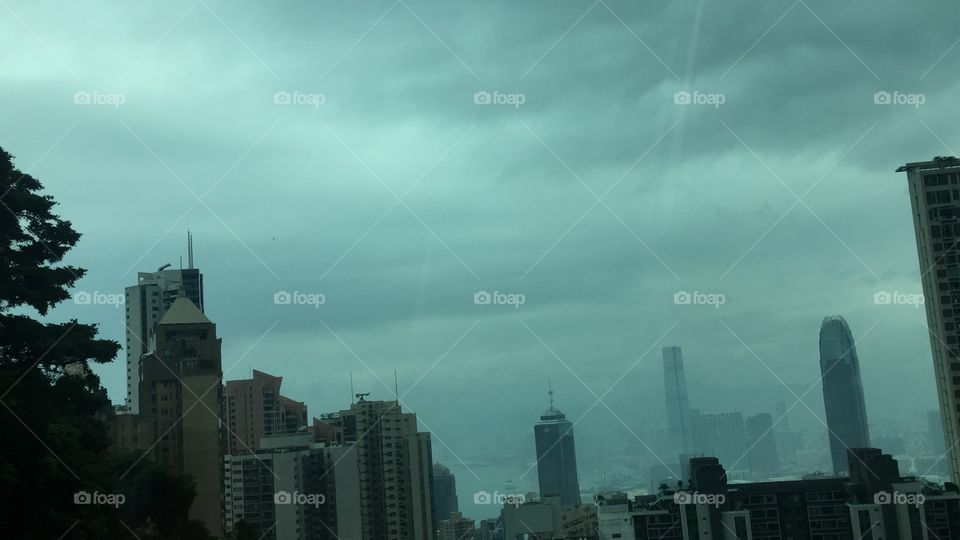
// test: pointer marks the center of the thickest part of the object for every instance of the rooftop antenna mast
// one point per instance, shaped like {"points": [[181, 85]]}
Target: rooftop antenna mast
{"points": [[352, 395], [189, 250], [550, 391], [396, 387]]}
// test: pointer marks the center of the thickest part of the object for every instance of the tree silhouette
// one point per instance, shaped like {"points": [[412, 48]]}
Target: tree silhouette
{"points": [[54, 445]]}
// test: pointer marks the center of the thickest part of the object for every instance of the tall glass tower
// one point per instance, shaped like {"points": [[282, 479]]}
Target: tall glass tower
{"points": [[678, 406], [842, 391], [556, 456]]}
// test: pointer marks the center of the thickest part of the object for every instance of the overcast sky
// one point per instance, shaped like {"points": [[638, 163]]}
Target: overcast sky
{"points": [[338, 148]]}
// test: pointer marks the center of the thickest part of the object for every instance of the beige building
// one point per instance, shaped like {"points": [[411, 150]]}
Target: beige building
{"points": [[935, 201], [181, 407]]}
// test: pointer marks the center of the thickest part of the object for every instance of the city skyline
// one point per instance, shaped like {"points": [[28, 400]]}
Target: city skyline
{"points": [[312, 270]]}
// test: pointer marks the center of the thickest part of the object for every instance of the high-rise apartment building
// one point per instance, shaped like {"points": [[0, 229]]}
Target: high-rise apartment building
{"points": [[935, 202], [556, 456], [292, 488], [255, 408], [145, 304], [395, 462], [843, 400], [678, 405]]}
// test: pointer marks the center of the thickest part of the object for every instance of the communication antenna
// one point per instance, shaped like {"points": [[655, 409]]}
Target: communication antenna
{"points": [[352, 395], [550, 391], [396, 387], [189, 250]]}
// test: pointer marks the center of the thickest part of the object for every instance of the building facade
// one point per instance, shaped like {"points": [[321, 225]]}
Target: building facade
{"points": [[444, 490], [556, 456], [395, 462], [874, 503], [181, 407], [762, 452], [678, 405], [255, 408], [145, 304], [935, 203], [842, 392], [722, 434], [292, 488]]}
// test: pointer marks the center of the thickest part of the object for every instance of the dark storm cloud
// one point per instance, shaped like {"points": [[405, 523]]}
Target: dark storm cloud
{"points": [[501, 198]]}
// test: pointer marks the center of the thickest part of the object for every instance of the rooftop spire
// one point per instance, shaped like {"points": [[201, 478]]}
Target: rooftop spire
{"points": [[550, 391], [189, 249]]}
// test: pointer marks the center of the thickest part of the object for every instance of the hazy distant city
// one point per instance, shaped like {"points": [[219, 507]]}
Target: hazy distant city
{"points": [[416, 270]]}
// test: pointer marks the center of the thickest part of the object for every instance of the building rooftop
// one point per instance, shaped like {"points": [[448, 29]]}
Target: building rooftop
{"points": [[183, 311], [938, 162]]}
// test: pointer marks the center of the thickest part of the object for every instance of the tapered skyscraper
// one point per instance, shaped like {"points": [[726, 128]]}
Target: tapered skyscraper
{"points": [[935, 200], [678, 406], [842, 392], [556, 456]]}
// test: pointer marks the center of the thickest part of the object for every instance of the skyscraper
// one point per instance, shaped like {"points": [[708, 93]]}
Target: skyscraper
{"points": [[556, 456], [445, 501], [842, 392], [678, 406], [146, 303], [935, 200]]}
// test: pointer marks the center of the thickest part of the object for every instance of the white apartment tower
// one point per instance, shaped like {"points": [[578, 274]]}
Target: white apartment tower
{"points": [[146, 303], [935, 200]]}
